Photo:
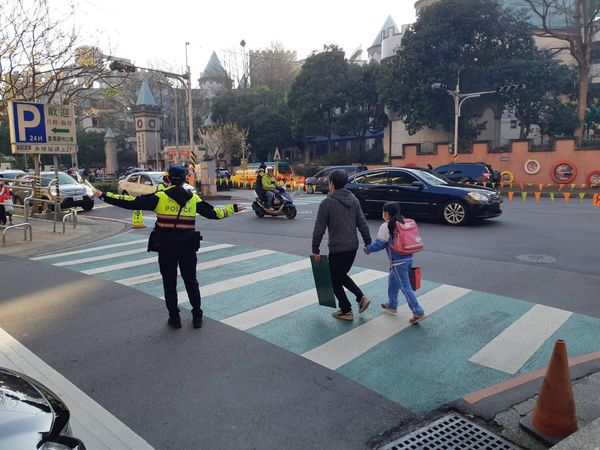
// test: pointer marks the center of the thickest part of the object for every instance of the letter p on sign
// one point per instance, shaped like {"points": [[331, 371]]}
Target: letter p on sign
{"points": [[29, 122]]}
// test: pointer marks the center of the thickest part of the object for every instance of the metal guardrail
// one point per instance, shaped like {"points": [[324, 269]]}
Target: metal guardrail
{"points": [[72, 214], [26, 226]]}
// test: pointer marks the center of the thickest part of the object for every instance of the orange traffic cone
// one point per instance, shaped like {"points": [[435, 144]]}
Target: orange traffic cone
{"points": [[554, 416]]}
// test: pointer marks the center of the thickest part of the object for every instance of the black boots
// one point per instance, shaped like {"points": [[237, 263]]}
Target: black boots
{"points": [[174, 321], [197, 320]]}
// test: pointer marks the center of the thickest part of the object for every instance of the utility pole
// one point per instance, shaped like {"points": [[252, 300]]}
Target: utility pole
{"points": [[459, 99]]}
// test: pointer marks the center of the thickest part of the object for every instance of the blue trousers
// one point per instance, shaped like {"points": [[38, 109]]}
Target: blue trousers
{"points": [[269, 197], [398, 280]]}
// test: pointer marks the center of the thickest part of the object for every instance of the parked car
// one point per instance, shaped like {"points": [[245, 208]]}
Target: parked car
{"points": [[32, 416], [10, 175], [423, 193], [283, 172], [319, 181], [143, 183], [472, 172], [73, 193]]}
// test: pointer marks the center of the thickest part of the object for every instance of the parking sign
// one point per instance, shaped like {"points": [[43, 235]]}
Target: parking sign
{"points": [[42, 128]]}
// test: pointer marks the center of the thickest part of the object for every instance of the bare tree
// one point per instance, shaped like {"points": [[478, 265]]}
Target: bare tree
{"points": [[573, 24], [41, 59], [223, 141], [274, 67]]}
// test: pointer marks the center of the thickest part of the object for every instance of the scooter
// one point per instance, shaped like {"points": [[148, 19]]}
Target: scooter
{"points": [[283, 205]]}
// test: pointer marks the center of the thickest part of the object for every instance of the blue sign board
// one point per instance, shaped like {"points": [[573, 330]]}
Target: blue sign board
{"points": [[42, 128]]}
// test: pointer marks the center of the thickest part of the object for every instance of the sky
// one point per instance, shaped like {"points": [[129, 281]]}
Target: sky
{"points": [[154, 32]]}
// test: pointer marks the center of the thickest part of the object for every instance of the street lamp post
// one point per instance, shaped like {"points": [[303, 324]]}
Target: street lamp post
{"points": [[459, 99]]}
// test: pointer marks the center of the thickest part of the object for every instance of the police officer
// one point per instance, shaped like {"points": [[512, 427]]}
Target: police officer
{"points": [[176, 211]]}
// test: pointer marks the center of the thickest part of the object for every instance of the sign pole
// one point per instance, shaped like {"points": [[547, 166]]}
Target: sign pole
{"points": [[36, 182], [57, 196]]}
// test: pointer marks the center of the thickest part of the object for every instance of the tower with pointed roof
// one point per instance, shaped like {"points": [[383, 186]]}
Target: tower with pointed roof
{"points": [[212, 82], [146, 113]]}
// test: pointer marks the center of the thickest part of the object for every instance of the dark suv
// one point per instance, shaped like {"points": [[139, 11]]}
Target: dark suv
{"points": [[472, 172]]}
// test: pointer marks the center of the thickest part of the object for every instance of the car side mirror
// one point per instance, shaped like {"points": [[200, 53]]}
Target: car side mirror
{"points": [[418, 184], [63, 443]]}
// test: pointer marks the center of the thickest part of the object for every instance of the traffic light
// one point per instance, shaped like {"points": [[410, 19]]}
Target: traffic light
{"points": [[122, 67]]}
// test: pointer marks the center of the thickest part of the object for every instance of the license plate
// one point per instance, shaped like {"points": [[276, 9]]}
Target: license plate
{"points": [[77, 198]]}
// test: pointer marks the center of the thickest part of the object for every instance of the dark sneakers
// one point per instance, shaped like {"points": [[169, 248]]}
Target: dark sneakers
{"points": [[197, 320], [174, 321]]}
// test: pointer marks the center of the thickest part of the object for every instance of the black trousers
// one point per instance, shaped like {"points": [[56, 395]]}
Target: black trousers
{"points": [[339, 266], [2, 215], [168, 260]]}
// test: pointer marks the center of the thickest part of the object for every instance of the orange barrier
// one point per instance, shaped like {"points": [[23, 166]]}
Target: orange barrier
{"points": [[554, 417]]}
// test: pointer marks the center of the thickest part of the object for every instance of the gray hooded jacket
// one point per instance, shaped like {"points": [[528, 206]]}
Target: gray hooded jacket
{"points": [[341, 215]]}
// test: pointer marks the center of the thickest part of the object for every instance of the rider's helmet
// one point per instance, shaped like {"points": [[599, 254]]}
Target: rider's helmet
{"points": [[270, 170], [177, 174]]}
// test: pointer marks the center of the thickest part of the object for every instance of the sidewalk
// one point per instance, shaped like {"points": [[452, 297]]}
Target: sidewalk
{"points": [[45, 240], [519, 399]]}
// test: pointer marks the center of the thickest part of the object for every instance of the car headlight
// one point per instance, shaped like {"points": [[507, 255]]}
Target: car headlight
{"points": [[478, 197]]}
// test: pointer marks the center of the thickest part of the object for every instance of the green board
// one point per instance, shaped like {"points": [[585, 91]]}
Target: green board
{"points": [[323, 284]]}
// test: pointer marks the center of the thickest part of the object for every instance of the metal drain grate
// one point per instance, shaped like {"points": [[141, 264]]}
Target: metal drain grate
{"points": [[451, 432]]}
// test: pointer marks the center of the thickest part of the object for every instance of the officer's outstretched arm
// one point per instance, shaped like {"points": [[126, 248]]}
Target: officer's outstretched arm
{"points": [[142, 202], [210, 212]]}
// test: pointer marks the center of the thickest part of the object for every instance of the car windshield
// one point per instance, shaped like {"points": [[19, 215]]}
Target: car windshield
{"points": [[432, 178], [156, 177], [63, 178]]}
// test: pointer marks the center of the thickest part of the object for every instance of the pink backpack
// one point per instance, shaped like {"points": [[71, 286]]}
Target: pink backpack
{"points": [[407, 239]]}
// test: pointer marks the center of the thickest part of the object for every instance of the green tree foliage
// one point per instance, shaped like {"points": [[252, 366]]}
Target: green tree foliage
{"points": [[318, 94], [90, 149], [547, 84], [475, 37], [364, 110], [260, 111]]}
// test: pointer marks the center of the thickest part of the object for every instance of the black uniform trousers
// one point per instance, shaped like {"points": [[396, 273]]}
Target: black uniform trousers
{"points": [[169, 258], [339, 266]]}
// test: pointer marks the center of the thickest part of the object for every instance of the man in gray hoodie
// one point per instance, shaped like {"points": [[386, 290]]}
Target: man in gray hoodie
{"points": [[341, 215]]}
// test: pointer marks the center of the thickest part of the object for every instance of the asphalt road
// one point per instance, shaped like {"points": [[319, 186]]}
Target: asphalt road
{"points": [[247, 383], [545, 253]]}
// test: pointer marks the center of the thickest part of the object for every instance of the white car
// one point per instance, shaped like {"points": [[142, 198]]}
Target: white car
{"points": [[143, 183]]}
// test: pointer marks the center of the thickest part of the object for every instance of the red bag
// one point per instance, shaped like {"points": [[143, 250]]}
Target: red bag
{"points": [[415, 278], [407, 239]]}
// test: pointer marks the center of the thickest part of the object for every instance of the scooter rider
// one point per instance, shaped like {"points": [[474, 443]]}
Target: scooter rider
{"points": [[269, 184], [176, 238]]}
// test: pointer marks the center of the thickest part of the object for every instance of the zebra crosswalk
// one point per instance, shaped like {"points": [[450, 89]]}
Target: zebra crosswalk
{"points": [[469, 340]]}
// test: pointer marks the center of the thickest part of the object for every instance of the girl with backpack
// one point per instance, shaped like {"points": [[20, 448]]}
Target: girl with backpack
{"points": [[400, 261]]}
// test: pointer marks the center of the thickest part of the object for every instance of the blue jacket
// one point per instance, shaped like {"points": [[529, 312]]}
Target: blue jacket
{"points": [[383, 242]]}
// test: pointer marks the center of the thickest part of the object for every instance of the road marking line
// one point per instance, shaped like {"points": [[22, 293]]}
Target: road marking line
{"points": [[101, 257], [200, 266], [245, 280], [87, 250], [140, 262], [91, 423], [348, 346], [263, 314], [512, 348]]}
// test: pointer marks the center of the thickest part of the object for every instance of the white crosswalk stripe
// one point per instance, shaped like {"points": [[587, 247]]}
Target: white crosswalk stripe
{"points": [[279, 308], [154, 276], [141, 262], [343, 349], [102, 257], [90, 249], [512, 348], [246, 280]]}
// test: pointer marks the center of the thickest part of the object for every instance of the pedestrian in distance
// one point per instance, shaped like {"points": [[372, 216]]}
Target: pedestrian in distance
{"points": [[340, 214], [400, 265], [174, 236], [4, 197]]}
